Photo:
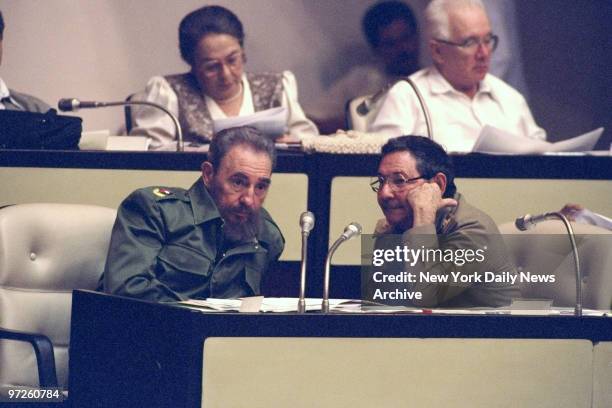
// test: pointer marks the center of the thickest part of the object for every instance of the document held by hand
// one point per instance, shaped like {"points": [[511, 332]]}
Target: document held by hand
{"points": [[271, 122], [493, 140]]}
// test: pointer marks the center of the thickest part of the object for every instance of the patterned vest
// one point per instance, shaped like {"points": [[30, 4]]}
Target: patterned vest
{"points": [[194, 116]]}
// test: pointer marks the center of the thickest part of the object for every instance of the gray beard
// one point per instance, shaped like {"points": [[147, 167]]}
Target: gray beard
{"points": [[243, 231]]}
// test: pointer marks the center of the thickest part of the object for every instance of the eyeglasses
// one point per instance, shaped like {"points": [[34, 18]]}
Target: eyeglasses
{"points": [[471, 44], [240, 184], [396, 182], [212, 68]]}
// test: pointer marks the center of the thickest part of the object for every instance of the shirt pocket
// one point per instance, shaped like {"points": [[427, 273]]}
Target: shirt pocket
{"points": [[254, 269], [183, 269], [252, 276]]}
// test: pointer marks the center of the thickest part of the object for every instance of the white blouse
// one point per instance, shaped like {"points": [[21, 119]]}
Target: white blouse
{"points": [[155, 124]]}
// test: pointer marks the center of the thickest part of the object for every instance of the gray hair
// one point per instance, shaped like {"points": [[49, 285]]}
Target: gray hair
{"points": [[436, 15], [246, 136]]}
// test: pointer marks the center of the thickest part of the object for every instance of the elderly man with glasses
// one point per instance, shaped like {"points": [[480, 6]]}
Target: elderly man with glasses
{"points": [[461, 95], [453, 250], [213, 240]]}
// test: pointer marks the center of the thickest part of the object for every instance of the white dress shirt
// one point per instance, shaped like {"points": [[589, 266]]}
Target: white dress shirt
{"points": [[456, 119], [6, 94], [156, 125]]}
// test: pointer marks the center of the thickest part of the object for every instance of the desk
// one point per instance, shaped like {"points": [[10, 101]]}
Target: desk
{"points": [[130, 353], [334, 187]]}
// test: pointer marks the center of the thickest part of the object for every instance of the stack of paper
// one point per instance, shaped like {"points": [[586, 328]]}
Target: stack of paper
{"points": [[271, 122], [493, 140], [102, 140], [270, 304], [284, 305], [587, 216]]}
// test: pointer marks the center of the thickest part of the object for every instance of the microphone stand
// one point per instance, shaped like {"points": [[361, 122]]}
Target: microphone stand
{"points": [[332, 249], [301, 308], [351, 230], [179, 133], [527, 222], [570, 232]]}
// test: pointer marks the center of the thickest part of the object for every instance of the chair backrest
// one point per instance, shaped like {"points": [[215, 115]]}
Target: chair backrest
{"points": [[129, 110], [356, 118], [546, 249], [127, 113], [46, 251]]}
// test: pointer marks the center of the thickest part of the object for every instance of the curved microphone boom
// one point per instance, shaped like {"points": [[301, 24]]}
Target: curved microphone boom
{"points": [[529, 221], [307, 221], [366, 106], [74, 104], [350, 231]]}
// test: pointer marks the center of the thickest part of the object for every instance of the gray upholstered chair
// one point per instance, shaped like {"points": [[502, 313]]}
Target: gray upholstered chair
{"points": [[357, 118], [46, 251], [546, 249]]}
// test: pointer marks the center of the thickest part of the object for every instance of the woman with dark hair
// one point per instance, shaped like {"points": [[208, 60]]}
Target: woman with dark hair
{"points": [[211, 41]]}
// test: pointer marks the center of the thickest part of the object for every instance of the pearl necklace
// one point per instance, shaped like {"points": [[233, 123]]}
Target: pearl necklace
{"points": [[231, 98]]}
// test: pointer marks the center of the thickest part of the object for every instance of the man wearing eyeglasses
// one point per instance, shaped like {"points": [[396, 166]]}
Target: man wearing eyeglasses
{"points": [[461, 95], [213, 240], [453, 242]]}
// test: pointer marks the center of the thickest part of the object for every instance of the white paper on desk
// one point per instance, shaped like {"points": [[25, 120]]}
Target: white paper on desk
{"points": [[582, 143], [271, 122], [251, 304], [94, 140], [269, 304], [493, 140], [589, 217], [531, 307], [128, 143]]}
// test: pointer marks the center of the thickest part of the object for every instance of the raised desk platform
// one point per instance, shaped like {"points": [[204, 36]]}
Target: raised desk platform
{"points": [[130, 353]]}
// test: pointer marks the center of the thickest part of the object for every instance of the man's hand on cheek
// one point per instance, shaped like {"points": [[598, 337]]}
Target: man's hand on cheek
{"points": [[425, 200]]}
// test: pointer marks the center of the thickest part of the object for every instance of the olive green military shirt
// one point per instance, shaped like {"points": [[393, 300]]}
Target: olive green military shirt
{"points": [[167, 245]]}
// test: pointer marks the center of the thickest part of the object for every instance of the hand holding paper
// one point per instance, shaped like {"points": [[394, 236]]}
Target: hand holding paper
{"points": [[271, 122], [493, 140]]}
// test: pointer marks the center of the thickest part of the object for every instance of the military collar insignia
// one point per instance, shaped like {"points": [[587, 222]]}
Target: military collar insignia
{"points": [[161, 192]]}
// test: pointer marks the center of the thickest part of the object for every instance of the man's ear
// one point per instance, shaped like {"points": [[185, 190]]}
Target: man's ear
{"points": [[208, 173], [435, 50], [440, 180]]}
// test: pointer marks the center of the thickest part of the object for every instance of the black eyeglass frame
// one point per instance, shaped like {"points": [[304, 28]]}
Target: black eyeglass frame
{"points": [[381, 180]]}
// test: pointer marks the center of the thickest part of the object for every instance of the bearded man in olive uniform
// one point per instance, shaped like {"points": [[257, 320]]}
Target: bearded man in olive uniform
{"points": [[213, 240]]}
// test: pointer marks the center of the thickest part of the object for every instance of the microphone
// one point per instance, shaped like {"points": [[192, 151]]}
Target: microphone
{"points": [[367, 105], [350, 231], [529, 221], [307, 221], [74, 104]]}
